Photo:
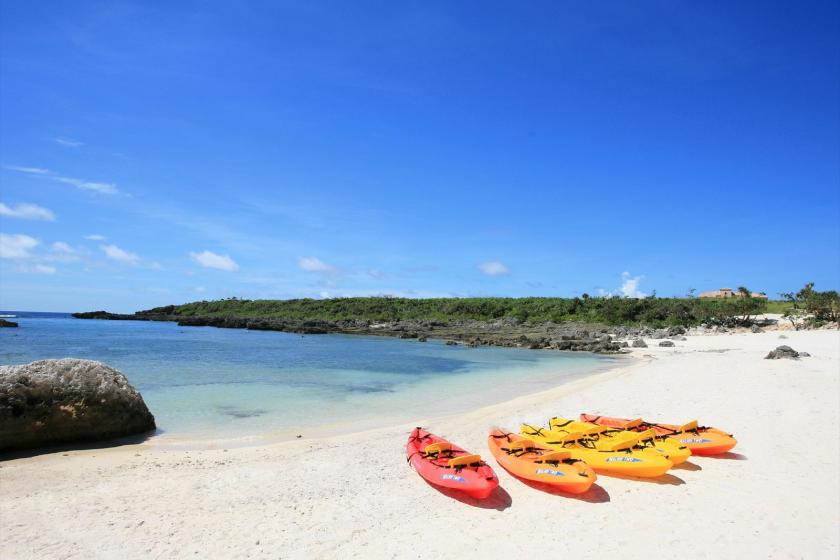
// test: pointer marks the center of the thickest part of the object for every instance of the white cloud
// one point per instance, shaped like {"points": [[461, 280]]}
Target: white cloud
{"points": [[493, 268], [208, 259], [314, 264], [61, 252], [630, 286], [101, 188], [96, 237], [16, 246], [62, 247], [39, 269], [26, 211], [68, 142], [30, 170], [120, 255]]}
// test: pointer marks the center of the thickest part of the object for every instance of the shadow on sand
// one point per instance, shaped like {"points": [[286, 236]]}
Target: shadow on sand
{"points": [[728, 455], [687, 466], [499, 499], [667, 479], [78, 446], [595, 495]]}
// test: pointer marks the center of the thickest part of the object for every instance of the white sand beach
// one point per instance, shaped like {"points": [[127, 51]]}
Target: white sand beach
{"points": [[353, 496]]}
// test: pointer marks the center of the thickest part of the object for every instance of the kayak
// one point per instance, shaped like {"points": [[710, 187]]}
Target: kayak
{"points": [[446, 465], [618, 458], [529, 460], [676, 452], [701, 440]]}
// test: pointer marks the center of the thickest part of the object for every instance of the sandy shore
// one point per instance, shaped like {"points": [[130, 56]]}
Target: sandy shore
{"points": [[354, 496]]}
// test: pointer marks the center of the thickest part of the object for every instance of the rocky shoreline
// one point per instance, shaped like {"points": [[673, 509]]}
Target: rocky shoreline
{"points": [[508, 332]]}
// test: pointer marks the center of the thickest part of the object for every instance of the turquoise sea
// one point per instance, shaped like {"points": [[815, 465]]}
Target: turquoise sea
{"points": [[206, 382]]}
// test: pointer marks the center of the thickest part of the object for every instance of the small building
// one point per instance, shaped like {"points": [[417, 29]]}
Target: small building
{"points": [[728, 293]]}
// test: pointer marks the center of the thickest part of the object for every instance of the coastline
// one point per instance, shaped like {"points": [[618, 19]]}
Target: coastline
{"points": [[354, 427], [352, 495], [506, 332]]}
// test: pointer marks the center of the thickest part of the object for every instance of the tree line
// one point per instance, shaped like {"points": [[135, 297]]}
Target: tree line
{"points": [[653, 311]]}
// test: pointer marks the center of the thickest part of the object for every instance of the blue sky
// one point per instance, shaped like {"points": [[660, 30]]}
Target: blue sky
{"points": [[153, 153]]}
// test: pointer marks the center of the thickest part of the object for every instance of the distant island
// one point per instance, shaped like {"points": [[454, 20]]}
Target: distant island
{"points": [[580, 323]]}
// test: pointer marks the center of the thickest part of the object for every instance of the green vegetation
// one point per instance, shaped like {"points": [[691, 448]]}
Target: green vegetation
{"points": [[651, 311], [778, 306], [816, 307]]}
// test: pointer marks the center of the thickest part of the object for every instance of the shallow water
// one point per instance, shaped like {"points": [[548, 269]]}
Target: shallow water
{"points": [[209, 382]]}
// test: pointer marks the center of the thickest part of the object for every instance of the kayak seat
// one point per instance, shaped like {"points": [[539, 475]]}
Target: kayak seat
{"points": [[521, 445], [592, 430], [647, 434], [558, 456], [437, 447], [464, 460], [688, 427], [563, 438], [630, 424]]}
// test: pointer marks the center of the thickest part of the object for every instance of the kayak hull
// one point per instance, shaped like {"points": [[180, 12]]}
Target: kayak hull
{"points": [[626, 462], [572, 477], [701, 441], [672, 450], [476, 482]]}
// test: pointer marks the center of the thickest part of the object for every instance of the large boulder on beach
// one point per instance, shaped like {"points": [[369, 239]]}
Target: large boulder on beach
{"points": [[51, 402], [782, 352], [639, 343]]}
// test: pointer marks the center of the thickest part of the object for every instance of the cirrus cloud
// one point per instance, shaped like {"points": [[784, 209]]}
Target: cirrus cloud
{"points": [[95, 186], [26, 211], [67, 142], [208, 259]]}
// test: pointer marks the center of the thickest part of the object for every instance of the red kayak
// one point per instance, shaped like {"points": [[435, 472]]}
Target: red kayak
{"points": [[446, 465]]}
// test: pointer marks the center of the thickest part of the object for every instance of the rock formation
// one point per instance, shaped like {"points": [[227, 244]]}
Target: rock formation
{"points": [[782, 352], [51, 402]]}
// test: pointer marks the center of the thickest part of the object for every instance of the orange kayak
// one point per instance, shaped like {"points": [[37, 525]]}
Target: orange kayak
{"points": [[701, 440], [529, 460], [448, 466]]}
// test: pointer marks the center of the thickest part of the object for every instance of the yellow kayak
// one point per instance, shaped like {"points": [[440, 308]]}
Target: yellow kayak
{"points": [[608, 457], [676, 452]]}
